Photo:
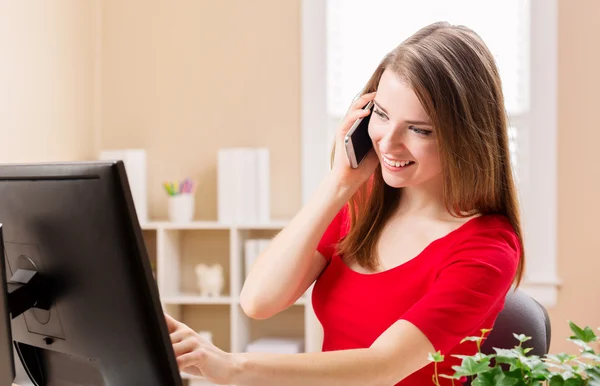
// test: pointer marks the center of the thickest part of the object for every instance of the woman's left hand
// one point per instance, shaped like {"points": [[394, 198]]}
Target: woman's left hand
{"points": [[198, 357]]}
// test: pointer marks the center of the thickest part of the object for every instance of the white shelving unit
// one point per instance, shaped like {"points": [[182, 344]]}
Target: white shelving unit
{"points": [[172, 254]]}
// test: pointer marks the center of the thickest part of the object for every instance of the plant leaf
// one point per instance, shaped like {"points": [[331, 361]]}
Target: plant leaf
{"points": [[556, 380], [449, 376], [593, 374], [574, 382], [539, 369], [561, 358], [435, 357], [586, 334], [494, 378], [471, 367], [592, 356], [584, 346], [478, 357], [471, 339], [505, 356], [521, 338]]}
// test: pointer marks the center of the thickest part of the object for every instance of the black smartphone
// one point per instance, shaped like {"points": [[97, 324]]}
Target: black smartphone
{"points": [[357, 141]]}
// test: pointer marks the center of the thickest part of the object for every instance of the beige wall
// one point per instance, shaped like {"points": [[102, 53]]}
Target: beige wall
{"points": [[184, 79], [46, 80], [579, 178]]}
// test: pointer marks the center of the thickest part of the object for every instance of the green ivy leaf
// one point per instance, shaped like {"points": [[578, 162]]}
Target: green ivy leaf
{"points": [[561, 358], [586, 334], [449, 376], [591, 356], [574, 382], [593, 374], [504, 356], [471, 339], [557, 380], [584, 346], [494, 378], [570, 378], [516, 374], [435, 357], [478, 357], [470, 367], [534, 363], [521, 338], [540, 375], [506, 353]]}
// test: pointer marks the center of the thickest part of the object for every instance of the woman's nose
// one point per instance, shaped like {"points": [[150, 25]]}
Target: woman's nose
{"points": [[394, 139]]}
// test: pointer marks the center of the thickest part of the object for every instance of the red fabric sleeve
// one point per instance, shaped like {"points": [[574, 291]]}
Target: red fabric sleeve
{"points": [[333, 234], [468, 288]]}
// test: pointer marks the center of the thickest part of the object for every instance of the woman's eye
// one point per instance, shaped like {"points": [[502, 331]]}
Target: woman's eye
{"points": [[420, 131], [379, 113]]}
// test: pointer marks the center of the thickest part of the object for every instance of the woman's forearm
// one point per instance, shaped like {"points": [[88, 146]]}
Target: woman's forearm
{"points": [[360, 367], [282, 270]]}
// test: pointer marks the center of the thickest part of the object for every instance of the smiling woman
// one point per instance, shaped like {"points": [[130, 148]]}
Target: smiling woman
{"points": [[424, 230]]}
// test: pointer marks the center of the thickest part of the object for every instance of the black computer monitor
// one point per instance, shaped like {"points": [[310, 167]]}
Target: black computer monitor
{"points": [[7, 369], [84, 305]]}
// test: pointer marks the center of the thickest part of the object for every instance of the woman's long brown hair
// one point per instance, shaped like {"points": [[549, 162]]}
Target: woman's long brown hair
{"points": [[455, 77]]}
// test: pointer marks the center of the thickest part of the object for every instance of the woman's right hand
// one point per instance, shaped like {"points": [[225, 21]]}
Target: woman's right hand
{"points": [[342, 171]]}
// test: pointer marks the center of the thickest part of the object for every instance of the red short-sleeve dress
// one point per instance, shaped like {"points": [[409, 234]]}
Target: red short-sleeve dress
{"points": [[455, 287]]}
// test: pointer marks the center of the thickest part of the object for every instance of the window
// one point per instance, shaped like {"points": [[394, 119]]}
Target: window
{"points": [[338, 56], [353, 54]]}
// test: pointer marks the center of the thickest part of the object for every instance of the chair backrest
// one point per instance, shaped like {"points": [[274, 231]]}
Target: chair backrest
{"points": [[521, 315]]}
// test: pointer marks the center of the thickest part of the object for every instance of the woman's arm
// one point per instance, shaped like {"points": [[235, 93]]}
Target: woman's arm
{"points": [[398, 352], [476, 277], [285, 270], [401, 350]]}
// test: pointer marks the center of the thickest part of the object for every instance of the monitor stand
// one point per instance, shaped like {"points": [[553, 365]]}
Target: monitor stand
{"points": [[27, 289]]}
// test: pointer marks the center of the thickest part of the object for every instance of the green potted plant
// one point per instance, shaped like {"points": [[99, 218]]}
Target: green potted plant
{"points": [[515, 367]]}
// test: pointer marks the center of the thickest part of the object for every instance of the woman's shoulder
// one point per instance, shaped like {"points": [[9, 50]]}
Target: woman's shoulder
{"points": [[491, 236], [336, 230], [496, 226]]}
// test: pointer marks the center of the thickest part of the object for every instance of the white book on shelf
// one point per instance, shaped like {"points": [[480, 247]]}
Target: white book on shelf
{"points": [[243, 185], [246, 191], [249, 255], [252, 249], [225, 186], [263, 184], [135, 167]]}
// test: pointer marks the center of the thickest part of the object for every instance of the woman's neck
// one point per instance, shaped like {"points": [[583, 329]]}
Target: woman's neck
{"points": [[424, 200]]}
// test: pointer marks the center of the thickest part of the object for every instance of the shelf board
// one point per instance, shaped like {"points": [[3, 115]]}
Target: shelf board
{"points": [[196, 299], [211, 225], [270, 225]]}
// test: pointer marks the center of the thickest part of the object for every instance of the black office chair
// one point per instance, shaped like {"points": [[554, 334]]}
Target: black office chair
{"points": [[521, 315]]}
